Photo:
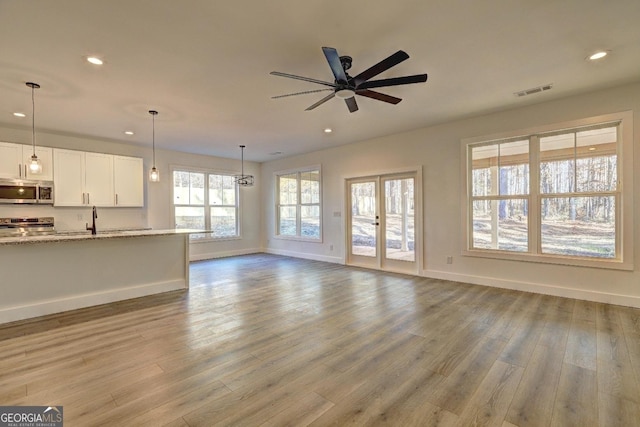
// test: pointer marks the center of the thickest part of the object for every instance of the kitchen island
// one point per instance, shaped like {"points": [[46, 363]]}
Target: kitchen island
{"points": [[48, 274]]}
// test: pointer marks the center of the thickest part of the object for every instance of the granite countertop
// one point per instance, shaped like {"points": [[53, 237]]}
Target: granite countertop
{"points": [[65, 236]]}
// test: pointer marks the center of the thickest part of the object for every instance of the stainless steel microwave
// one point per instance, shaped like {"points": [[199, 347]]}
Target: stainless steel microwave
{"points": [[19, 191]]}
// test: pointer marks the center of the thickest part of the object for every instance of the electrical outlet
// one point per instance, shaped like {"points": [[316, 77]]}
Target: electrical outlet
{"points": [[331, 247], [449, 259], [79, 217]]}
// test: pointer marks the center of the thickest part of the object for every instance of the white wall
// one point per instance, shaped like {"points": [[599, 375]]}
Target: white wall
{"points": [[437, 150], [158, 205]]}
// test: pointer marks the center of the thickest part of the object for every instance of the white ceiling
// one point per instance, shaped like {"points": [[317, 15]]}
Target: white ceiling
{"points": [[204, 65]]}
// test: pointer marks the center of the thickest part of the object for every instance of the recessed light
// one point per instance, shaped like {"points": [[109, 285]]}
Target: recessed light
{"points": [[95, 60], [598, 55], [275, 153], [328, 130], [592, 148], [20, 114], [128, 132]]}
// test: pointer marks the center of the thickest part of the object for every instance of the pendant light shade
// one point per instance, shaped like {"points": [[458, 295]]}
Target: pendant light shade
{"points": [[154, 175], [35, 167], [243, 180]]}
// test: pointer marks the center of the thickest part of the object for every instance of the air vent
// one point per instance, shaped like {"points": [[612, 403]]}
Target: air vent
{"points": [[534, 90]]}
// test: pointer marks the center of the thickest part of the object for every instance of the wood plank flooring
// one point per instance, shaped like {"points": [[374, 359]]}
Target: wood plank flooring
{"points": [[275, 341]]}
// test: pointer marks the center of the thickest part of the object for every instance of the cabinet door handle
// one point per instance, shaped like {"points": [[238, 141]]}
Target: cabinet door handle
{"points": [[83, 202], [88, 199], [19, 170], [116, 198], [25, 170]]}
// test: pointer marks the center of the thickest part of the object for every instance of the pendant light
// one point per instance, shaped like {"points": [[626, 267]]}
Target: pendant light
{"points": [[154, 175], [35, 167], [243, 180]]}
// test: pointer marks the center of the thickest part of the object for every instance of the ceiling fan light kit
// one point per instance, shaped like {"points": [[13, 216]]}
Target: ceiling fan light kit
{"points": [[346, 87]]}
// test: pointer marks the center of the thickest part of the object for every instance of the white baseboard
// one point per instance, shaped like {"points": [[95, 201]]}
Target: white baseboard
{"points": [[43, 308], [222, 254], [558, 291], [314, 257]]}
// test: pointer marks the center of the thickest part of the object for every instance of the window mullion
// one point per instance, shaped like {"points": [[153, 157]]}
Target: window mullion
{"points": [[535, 207], [207, 206], [299, 204]]}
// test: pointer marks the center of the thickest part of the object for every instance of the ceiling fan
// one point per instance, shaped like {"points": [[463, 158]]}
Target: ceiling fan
{"points": [[346, 87]]}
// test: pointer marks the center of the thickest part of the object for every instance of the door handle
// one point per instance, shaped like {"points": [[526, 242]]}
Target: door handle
{"points": [[375, 223]]}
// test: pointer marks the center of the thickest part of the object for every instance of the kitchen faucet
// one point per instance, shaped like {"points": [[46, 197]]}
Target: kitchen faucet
{"points": [[93, 224]]}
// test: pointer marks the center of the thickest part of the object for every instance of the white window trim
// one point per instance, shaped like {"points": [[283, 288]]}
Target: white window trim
{"points": [[276, 195], [624, 233], [195, 169]]}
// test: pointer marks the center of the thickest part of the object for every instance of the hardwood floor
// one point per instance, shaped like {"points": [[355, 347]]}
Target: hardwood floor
{"points": [[274, 341]]}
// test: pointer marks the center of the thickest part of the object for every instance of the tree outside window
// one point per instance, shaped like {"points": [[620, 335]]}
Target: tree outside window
{"points": [[298, 204], [567, 208], [206, 201]]}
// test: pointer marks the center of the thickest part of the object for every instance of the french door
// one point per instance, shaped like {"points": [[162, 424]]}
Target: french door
{"points": [[381, 224]]}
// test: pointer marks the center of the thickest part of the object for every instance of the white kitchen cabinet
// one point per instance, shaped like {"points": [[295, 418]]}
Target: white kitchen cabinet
{"points": [[15, 160], [83, 179], [10, 159], [68, 178], [98, 176], [128, 181]]}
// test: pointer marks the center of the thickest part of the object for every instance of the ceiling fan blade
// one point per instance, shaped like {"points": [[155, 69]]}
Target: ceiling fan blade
{"points": [[381, 66], [305, 79], [322, 101], [395, 81], [334, 62], [300, 93], [352, 104], [379, 96]]}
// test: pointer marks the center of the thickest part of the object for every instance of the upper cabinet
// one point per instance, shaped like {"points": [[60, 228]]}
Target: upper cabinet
{"points": [[95, 179], [128, 181], [98, 179], [15, 159], [68, 178]]}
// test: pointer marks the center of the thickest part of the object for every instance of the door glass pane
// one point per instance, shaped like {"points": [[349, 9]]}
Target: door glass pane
{"points": [[363, 219], [399, 219]]}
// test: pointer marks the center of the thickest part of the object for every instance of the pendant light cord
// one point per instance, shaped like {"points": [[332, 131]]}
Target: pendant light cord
{"points": [[33, 119], [154, 138]]}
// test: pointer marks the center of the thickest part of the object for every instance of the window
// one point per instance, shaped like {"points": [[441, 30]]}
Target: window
{"points": [[206, 201], [552, 196], [298, 204]]}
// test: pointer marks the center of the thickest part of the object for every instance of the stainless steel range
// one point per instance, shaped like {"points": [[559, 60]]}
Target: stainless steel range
{"points": [[11, 227]]}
